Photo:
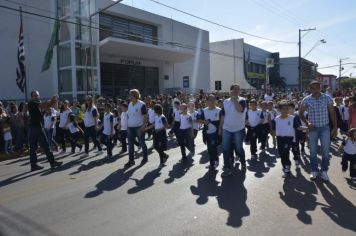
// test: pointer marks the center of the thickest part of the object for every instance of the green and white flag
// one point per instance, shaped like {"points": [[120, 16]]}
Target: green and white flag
{"points": [[53, 42]]}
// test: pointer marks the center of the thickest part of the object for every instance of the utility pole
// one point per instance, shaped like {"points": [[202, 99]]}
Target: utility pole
{"points": [[340, 69], [300, 57]]}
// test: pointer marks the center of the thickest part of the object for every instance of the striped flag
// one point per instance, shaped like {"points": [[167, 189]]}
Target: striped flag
{"points": [[20, 70]]}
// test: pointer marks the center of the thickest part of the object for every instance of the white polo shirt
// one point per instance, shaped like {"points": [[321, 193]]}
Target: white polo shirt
{"points": [[123, 121], [108, 121], [233, 120], [135, 114], [185, 121], [63, 118], [212, 115], [285, 127], [160, 122], [89, 116]]}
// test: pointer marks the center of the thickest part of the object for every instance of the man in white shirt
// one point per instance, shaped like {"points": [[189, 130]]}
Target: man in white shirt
{"points": [[232, 128]]}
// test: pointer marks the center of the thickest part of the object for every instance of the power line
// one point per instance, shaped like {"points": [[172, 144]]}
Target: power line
{"points": [[349, 63], [221, 25], [185, 46]]}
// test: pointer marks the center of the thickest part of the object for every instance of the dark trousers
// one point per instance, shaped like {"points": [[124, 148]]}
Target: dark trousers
{"points": [[284, 145], [64, 137], [74, 140], [185, 140], [296, 151], [107, 141], [90, 132], [123, 140], [346, 159], [264, 131], [38, 135], [160, 143], [211, 142], [254, 133]]}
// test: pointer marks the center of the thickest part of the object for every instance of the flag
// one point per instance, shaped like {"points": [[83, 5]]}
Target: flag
{"points": [[20, 70], [53, 42]]}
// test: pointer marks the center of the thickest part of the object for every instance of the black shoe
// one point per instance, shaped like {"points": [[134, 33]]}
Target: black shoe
{"points": [[184, 158], [56, 164], [122, 152], [130, 163], [144, 160], [165, 158], [36, 167], [243, 166]]}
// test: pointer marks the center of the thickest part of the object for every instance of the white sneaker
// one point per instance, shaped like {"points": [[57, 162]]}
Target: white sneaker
{"points": [[324, 176], [63, 151], [313, 175]]}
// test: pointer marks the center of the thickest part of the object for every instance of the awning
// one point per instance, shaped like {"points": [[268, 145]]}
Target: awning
{"points": [[122, 47]]}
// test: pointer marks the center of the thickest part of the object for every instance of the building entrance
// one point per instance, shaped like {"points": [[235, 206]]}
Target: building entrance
{"points": [[118, 79]]}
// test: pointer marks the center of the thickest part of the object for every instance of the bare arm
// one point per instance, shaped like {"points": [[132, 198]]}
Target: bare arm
{"points": [[302, 110]]}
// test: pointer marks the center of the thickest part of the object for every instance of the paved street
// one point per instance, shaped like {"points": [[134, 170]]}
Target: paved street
{"points": [[97, 196]]}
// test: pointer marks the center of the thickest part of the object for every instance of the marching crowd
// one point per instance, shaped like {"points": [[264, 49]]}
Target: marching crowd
{"points": [[293, 121]]}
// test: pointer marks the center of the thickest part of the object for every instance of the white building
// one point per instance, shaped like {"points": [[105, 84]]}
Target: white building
{"points": [[236, 62], [132, 48]]}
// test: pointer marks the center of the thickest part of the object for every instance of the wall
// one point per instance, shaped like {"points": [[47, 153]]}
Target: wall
{"points": [[289, 70], [37, 33], [197, 68], [227, 65]]}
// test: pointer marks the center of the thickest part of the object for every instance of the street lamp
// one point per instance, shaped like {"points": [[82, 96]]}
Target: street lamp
{"points": [[300, 58], [114, 2], [341, 68]]}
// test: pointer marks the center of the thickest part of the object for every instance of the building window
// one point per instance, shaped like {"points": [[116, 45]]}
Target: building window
{"points": [[113, 26], [64, 55], [65, 81], [218, 85]]}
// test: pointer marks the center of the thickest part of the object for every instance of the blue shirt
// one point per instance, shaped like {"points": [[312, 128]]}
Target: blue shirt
{"points": [[318, 112]]}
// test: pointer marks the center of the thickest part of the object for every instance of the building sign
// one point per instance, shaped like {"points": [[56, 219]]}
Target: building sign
{"points": [[130, 62], [252, 75], [186, 82]]}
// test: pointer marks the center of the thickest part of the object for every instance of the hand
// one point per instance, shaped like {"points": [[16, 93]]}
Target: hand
{"points": [[310, 125], [334, 133]]}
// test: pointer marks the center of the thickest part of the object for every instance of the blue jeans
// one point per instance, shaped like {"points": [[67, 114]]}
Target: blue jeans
{"points": [[322, 133], [132, 133], [19, 137], [236, 139]]}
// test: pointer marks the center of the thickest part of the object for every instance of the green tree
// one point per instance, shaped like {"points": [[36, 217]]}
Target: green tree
{"points": [[348, 83]]}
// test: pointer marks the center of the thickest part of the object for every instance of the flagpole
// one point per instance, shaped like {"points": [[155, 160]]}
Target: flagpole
{"points": [[21, 22]]}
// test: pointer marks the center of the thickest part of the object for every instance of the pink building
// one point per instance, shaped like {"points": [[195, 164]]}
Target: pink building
{"points": [[328, 81]]}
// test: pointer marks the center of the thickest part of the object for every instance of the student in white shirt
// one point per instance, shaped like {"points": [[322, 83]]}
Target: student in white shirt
{"points": [[75, 132], [159, 126], [64, 135], [285, 126], [176, 119], [136, 126], [349, 156], [210, 118], [345, 114], [108, 129], [273, 113], [49, 120], [265, 126], [254, 120], [194, 114], [91, 116], [151, 119], [185, 133], [232, 129], [123, 127]]}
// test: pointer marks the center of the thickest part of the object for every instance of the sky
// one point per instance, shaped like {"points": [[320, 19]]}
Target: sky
{"points": [[335, 22]]}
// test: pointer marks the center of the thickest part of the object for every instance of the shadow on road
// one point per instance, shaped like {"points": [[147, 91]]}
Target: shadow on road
{"points": [[114, 181], [299, 193], [146, 181], [339, 209], [263, 164], [231, 195], [179, 170]]}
